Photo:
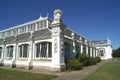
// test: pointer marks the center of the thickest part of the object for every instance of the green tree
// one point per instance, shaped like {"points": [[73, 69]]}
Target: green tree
{"points": [[116, 53]]}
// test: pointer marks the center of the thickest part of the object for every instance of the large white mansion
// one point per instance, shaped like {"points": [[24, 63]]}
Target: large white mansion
{"points": [[46, 43]]}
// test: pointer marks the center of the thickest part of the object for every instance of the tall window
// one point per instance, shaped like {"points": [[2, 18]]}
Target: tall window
{"points": [[9, 50], [23, 51], [0, 52], [44, 50]]}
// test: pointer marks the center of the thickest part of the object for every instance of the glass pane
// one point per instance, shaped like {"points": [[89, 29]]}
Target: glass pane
{"points": [[11, 51], [20, 50], [50, 50], [25, 47], [8, 52], [43, 49], [37, 50], [0, 51]]}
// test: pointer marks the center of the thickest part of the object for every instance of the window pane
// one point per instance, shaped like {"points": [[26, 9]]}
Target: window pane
{"points": [[38, 50], [25, 50], [43, 49], [0, 51], [20, 50], [10, 51], [50, 50]]}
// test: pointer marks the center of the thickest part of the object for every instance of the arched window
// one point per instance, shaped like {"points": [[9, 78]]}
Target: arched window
{"points": [[9, 51], [102, 52], [23, 51], [44, 50], [0, 52]]}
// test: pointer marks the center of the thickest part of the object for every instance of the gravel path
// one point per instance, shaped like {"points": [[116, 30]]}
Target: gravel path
{"points": [[79, 75]]}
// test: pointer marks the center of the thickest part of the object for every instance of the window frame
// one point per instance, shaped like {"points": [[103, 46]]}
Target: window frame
{"points": [[1, 52], [47, 54], [19, 53], [9, 55]]}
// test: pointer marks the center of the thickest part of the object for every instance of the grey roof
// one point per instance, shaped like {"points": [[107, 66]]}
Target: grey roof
{"points": [[42, 34], [23, 37]]}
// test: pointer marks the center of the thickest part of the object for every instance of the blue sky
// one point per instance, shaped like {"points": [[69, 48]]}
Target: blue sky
{"points": [[94, 19]]}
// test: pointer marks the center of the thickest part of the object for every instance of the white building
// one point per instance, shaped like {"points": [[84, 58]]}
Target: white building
{"points": [[42, 43], [105, 48]]}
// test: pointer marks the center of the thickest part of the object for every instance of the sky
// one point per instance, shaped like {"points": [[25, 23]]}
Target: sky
{"points": [[93, 19]]}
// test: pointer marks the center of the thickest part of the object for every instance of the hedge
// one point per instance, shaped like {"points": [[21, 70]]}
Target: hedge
{"points": [[73, 64]]}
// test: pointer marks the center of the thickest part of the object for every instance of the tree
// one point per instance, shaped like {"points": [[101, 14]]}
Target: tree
{"points": [[116, 53]]}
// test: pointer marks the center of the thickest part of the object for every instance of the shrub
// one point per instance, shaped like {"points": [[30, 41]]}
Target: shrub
{"points": [[82, 57], [73, 64], [91, 61], [98, 59]]}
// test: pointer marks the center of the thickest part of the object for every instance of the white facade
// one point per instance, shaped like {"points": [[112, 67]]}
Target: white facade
{"points": [[105, 48], [43, 43]]}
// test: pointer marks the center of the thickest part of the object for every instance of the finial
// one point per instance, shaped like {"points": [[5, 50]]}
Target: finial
{"points": [[57, 16], [40, 16]]}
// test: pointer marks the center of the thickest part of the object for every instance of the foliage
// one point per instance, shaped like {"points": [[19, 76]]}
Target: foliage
{"points": [[82, 57], [91, 61], [73, 64], [116, 53], [98, 59], [87, 60]]}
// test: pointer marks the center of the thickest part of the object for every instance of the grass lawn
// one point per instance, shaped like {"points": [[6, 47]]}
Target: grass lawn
{"points": [[6, 74], [109, 71]]}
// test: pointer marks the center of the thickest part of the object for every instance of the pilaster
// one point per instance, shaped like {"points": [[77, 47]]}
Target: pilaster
{"points": [[29, 63], [58, 63], [81, 48], [91, 51], [2, 56], [74, 45], [14, 52]]}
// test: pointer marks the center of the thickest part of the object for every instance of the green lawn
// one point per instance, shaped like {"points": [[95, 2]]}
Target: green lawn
{"points": [[109, 71], [6, 74]]}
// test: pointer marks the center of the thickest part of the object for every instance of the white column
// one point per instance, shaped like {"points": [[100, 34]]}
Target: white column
{"points": [[35, 26], [81, 48], [58, 63], [2, 55], [57, 56], [47, 25], [47, 49], [4, 52], [26, 28], [91, 51], [74, 48], [30, 56], [14, 55], [86, 49], [29, 63]]}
